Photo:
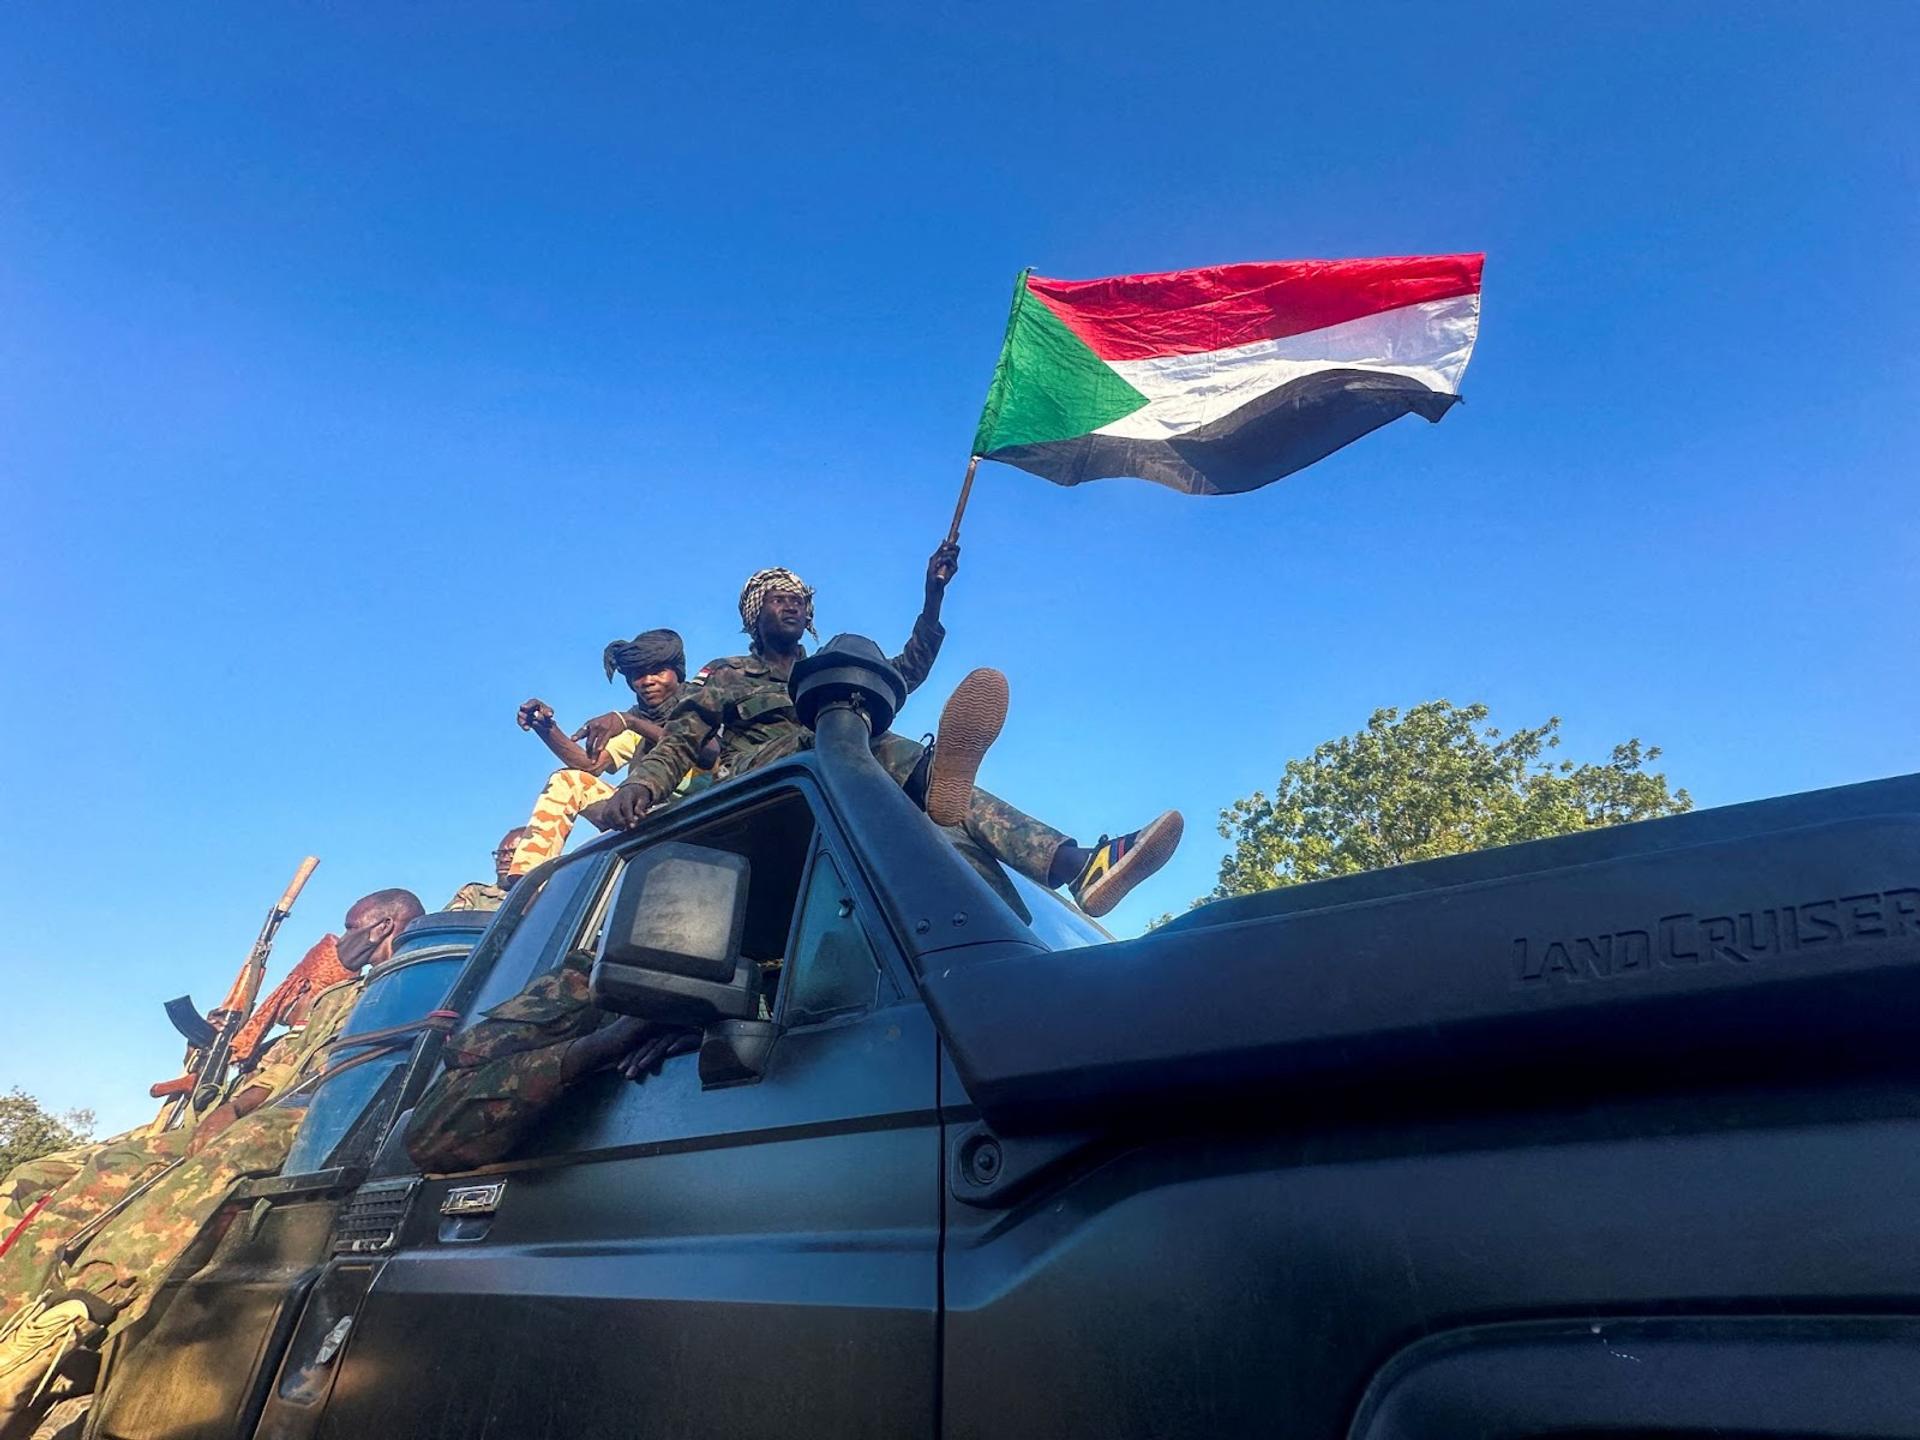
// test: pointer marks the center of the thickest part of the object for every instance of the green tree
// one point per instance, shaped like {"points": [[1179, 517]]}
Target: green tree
{"points": [[1435, 781], [27, 1131]]}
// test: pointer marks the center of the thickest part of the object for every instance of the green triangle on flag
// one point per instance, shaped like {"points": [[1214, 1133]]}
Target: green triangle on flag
{"points": [[1047, 384]]}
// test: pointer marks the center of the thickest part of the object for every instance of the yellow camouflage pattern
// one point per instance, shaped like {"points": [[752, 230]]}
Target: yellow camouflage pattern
{"points": [[119, 1166], [567, 793]]}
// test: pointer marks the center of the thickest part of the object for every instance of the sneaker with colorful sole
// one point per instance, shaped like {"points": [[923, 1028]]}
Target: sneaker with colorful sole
{"points": [[1118, 865]]}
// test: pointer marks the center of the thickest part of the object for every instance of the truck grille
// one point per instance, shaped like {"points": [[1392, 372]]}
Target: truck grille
{"points": [[370, 1220]]}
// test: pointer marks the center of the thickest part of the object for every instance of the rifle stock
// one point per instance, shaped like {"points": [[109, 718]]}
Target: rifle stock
{"points": [[206, 1066]]}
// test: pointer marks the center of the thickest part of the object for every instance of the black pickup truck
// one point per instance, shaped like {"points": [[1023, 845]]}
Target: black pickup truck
{"points": [[1615, 1134]]}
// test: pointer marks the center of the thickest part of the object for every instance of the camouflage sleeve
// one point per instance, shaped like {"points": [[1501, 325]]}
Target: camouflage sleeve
{"points": [[696, 717], [502, 1074], [474, 1116], [554, 1009], [276, 1073], [915, 662]]}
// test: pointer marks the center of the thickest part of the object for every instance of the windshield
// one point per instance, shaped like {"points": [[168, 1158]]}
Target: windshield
{"points": [[1058, 924], [520, 936], [352, 1101], [434, 932]]}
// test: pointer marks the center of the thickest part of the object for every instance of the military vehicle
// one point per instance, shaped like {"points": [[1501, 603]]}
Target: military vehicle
{"points": [[1614, 1133]]}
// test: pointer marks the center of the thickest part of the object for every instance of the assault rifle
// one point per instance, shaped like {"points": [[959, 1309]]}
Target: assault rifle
{"points": [[210, 1040]]}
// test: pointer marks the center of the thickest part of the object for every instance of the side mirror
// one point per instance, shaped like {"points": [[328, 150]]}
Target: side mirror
{"points": [[671, 946]]}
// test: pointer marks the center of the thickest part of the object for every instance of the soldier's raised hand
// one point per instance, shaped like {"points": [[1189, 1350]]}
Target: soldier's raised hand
{"points": [[941, 568], [534, 715]]}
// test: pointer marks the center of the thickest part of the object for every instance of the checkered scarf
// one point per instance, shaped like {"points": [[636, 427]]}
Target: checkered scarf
{"points": [[763, 583]]}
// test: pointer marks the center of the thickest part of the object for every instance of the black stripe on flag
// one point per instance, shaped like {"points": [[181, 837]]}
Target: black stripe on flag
{"points": [[1285, 430]]}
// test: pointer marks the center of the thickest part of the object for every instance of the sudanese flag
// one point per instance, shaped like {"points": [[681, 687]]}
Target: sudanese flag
{"points": [[1225, 379]]}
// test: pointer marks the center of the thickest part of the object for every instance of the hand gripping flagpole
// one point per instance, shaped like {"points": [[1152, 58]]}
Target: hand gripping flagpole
{"points": [[959, 510]]}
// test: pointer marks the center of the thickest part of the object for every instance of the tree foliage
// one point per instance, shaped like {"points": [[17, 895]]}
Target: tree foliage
{"points": [[27, 1131], [1436, 780]]}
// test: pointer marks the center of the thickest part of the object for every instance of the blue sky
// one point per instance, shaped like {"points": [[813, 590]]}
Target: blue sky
{"points": [[364, 369]]}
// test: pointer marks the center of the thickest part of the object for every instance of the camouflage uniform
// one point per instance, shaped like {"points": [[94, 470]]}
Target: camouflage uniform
{"points": [[569, 791], [133, 1252], [744, 699], [109, 1173], [31, 1179], [502, 1072], [476, 896], [172, 1207]]}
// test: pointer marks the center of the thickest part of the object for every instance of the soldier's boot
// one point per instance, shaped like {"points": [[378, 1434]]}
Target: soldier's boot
{"points": [[1116, 866], [969, 725], [34, 1345]]}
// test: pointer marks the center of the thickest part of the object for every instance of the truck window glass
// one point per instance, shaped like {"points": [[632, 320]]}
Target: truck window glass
{"points": [[521, 937], [832, 969], [1059, 925], [355, 1103], [776, 835]]}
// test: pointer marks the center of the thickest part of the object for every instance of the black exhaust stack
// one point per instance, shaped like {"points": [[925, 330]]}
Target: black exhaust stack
{"points": [[847, 693]]}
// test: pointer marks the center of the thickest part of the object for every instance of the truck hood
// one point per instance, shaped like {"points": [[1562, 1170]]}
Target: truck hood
{"points": [[1753, 940]]}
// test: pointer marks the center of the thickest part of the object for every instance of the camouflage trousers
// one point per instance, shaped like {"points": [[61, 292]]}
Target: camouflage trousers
{"points": [[1009, 835], [109, 1172], [567, 793], [127, 1259]]}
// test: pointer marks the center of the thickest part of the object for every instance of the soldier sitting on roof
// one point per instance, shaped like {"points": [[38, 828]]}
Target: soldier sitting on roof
{"points": [[654, 665], [743, 701]]}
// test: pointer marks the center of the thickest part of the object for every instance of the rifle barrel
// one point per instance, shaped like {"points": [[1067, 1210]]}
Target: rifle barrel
{"points": [[208, 1067]]}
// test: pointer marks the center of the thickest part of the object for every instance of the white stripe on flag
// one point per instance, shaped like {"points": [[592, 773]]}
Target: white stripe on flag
{"points": [[1430, 342]]}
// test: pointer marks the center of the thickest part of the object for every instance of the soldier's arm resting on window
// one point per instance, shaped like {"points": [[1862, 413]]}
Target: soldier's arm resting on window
{"points": [[602, 1047]]}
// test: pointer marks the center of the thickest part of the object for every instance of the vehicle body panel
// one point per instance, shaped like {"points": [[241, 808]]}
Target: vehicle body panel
{"points": [[1330, 1163]]}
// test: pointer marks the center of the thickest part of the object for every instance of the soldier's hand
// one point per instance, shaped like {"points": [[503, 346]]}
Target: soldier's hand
{"points": [[596, 814], [534, 715], [624, 807], [942, 565], [653, 1052], [604, 1046], [594, 735]]}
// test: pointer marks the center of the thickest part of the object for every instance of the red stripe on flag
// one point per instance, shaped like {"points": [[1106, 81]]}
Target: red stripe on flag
{"points": [[1190, 312]]}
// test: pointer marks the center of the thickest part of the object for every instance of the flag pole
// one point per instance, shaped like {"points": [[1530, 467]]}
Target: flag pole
{"points": [[966, 490]]}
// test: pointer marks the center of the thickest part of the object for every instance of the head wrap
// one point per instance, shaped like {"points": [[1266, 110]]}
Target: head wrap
{"points": [[762, 583], [648, 651]]}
